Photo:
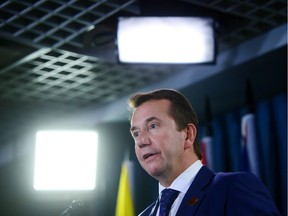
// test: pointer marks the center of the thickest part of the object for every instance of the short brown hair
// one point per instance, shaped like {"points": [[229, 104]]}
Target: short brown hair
{"points": [[181, 109]]}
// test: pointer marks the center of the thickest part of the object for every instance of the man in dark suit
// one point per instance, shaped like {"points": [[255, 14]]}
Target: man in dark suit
{"points": [[163, 125]]}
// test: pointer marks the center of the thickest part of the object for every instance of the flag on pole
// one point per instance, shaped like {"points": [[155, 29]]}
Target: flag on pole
{"points": [[249, 149], [249, 157], [124, 206], [206, 148], [206, 141]]}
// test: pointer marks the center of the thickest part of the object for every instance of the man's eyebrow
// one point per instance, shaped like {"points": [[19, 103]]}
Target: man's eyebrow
{"points": [[151, 119], [133, 128], [147, 121]]}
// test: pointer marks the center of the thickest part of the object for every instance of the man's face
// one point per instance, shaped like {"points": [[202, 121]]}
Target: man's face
{"points": [[159, 146]]}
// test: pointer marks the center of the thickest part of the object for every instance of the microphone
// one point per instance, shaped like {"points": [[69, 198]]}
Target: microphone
{"points": [[75, 205]]}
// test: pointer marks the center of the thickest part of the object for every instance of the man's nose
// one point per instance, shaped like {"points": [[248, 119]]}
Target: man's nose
{"points": [[143, 139]]}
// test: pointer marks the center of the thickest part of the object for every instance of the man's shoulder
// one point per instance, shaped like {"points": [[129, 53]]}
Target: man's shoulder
{"points": [[239, 179], [235, 176], [226, 179], [226, 176]]}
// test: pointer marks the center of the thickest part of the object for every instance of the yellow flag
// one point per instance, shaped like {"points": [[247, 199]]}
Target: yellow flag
{"points": [[124, 206]]}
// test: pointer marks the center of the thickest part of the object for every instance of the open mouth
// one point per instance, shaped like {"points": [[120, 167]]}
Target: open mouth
{"points": [[148, 155]]}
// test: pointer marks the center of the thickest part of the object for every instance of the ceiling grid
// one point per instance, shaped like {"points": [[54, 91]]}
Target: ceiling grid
{"points": [[49, 49]]}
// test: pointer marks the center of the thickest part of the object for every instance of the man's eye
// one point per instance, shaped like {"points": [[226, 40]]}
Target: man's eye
{"points": [[135, 134], [153, 126]]}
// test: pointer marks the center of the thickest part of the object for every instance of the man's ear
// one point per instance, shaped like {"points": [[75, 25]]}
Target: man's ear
{"points": [[191, 132]]}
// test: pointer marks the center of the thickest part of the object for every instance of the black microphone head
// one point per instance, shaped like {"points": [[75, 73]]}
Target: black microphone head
{"points": [[77, 204]]}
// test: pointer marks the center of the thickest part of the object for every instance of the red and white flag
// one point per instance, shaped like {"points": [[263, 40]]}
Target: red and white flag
{"points": [[249, 159], [207, 140], [206, 148]]}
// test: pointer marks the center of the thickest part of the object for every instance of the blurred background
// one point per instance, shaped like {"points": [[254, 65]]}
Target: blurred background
{"points": [[59, 70]]}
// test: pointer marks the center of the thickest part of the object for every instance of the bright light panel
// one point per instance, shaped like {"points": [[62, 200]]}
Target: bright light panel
{"points": [[65, 160], [165, 40]]}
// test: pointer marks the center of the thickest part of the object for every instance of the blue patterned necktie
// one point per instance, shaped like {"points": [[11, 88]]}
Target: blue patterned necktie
{"points": [[167, 198]]}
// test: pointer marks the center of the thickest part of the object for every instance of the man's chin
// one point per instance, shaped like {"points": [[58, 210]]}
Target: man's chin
{"points": [[153, 171]]}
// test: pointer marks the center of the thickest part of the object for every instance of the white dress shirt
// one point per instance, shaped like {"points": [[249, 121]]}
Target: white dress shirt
{"points": [[182, 184]]}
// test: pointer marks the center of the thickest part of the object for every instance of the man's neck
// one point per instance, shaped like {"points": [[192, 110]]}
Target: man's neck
{"points": [[167, 180]]}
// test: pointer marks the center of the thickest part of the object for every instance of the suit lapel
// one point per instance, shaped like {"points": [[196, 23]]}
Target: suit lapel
{"points": [[195, 193]]}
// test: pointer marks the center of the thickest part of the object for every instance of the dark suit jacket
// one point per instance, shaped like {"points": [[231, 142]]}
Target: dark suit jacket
{"points": [[229, 194]]}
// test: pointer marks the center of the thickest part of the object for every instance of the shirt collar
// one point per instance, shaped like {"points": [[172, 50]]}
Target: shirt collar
{"points": [[184, 180]]}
